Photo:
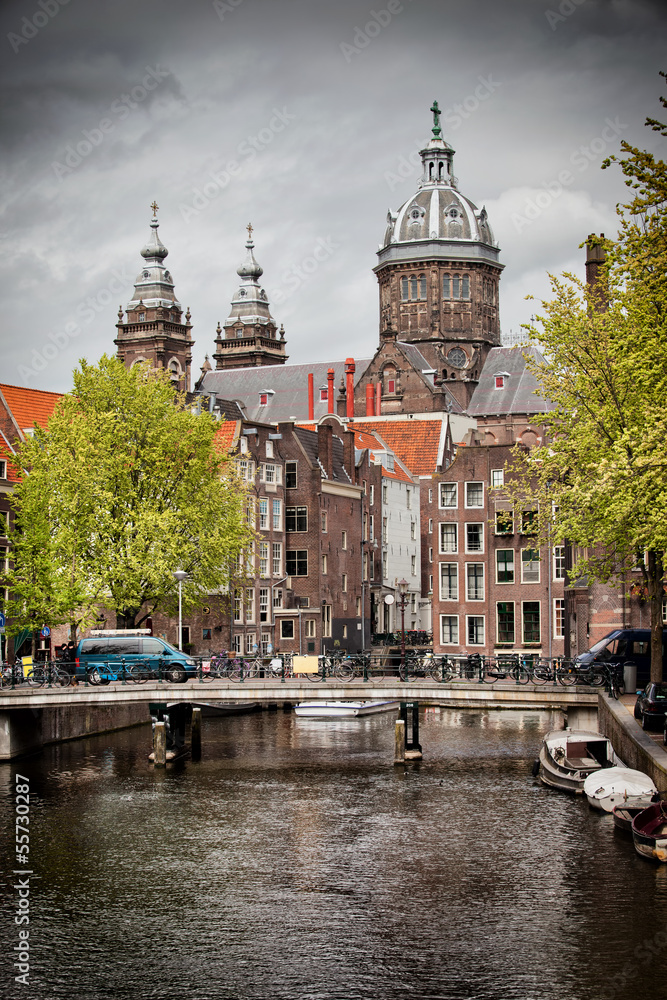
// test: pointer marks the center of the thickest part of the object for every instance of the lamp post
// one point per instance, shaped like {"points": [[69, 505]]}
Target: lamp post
{"points": [[180, 575], [402, 599]]}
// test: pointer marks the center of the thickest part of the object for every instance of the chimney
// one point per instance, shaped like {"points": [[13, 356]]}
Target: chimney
{"points": [[330, 390], [325, 448], [348, 455], [370, 400], [378, 399], [596, 257], [341, 405], [350, 369], [311, 398]]}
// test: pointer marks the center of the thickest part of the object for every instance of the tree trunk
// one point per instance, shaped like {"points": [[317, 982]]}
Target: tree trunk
{"points": [[655, 573], [125, 619]]}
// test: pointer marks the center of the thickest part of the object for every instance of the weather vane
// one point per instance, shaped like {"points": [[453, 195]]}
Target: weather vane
{"points": [[155, 207], [436, 119]]}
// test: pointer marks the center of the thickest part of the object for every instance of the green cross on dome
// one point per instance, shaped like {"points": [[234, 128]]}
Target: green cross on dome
{"points": [[436, 119]]}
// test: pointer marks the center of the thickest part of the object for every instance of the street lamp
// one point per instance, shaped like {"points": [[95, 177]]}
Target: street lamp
{"points": [[402, 601], [180, 575]]}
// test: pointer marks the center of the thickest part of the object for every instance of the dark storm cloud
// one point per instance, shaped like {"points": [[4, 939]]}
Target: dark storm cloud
{"points": [[304, 118]]}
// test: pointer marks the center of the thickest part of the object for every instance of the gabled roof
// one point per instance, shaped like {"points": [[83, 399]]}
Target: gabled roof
{"points": [[7, 455], [520, 392], [308, 440], [419, 363], [415, 442], [286, 385], [29, 407]]}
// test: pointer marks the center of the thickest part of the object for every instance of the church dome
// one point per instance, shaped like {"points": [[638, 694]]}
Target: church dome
{"points": [[438, 211], [438, 222]]}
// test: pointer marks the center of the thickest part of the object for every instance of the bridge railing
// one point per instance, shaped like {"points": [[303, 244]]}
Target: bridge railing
{"points": [[373, 666]]}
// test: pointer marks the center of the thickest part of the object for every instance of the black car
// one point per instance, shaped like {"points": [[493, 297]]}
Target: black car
{"points": [[651, 706]]}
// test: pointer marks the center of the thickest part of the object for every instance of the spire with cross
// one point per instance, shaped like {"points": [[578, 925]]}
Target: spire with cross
{"points": [[436, 119], [155, 207], [249, 228]]}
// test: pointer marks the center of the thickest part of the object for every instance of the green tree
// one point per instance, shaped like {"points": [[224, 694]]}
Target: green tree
{"points": [[600, 478], [125, 486]]}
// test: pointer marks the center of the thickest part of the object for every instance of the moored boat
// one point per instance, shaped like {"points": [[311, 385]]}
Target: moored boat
{"points": [[616, 786], [649, 832], [342, 709], [624, 815], [568, 756]]}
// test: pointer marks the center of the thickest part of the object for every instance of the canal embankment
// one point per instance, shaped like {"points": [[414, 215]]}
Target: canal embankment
{"points": [[634, 746]]}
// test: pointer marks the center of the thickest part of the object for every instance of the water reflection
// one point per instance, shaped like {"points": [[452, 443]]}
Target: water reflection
{"points": [[295, 861]]}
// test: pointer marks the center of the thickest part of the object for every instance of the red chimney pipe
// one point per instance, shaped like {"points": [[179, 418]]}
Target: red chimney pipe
{"points": [[378, 399], [370, 400], [330, 390], [311, 398], [350, 369]]}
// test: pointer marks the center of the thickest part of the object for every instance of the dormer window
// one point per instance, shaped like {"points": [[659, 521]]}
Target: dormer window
{"points": [[500, 379], [263, 398], [324, 394], [142, 317]]}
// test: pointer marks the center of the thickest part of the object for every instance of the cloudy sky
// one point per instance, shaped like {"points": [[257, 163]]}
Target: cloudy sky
{"points": [[302, 117]]}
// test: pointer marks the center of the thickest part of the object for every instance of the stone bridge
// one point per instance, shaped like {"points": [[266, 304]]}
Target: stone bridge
{"points": [[33, 717]]}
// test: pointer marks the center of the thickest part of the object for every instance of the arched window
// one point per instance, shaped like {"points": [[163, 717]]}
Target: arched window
{"points": [[446, 287], [422, 286], [174, 370], [404, 289], [413, 288], [430, 171], [456, 287], [440, 167], [465, 287], [389, 380]]}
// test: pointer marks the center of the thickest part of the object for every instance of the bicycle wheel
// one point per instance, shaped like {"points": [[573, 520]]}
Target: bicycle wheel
{"points": [[137, 674], [61, 677], [541, 674], [344, 671], [520, 675], [566, 676], [36, 677], [597, 678], [437, 671]]}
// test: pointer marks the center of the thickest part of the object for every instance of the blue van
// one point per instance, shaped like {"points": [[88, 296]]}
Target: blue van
{"points": [[627, 645], [111, 654]]}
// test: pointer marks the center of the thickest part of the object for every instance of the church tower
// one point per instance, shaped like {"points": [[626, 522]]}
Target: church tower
{"points": [[249, 338], [154, 330], [438, 272]]}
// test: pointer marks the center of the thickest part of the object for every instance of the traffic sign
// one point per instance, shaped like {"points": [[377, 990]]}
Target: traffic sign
{"points": [[2, 620], [46, 632]]}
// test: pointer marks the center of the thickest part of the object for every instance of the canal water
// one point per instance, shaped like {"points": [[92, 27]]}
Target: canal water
{"points": [[295, 861]]}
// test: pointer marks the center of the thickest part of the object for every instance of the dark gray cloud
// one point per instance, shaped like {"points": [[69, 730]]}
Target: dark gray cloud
{"points": [[299, 118]]}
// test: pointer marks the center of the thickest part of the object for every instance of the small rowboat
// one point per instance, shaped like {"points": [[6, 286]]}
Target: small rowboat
{"points": [[616, 786], [342, 709], [624, 815], [568, 756], [649, 832]]}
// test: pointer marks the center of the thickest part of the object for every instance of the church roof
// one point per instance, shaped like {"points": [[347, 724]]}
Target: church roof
{"points": [[154, 287], [438, 222], [285, 386], [507, 386]]}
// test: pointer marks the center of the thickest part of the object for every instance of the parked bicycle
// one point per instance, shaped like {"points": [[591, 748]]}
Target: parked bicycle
{"points": [[48, 673]]}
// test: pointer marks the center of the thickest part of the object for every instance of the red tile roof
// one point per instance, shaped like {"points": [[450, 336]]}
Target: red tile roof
{"points": [[7, 455], [415, 442], [226, 434], [30, 407]]}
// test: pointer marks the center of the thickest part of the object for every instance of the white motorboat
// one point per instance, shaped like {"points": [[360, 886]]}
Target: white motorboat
{"points": [[342, 709], [619, 786], [568, 756]]}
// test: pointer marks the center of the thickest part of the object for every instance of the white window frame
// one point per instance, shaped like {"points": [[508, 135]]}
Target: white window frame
{"points": [[468, 597], [538, 560], [559, 562], [472, 642], [506, 583], [441, 538], [474, 506], [455, 596], [497, 478], [470, 524], [441, 493], [559, 611], [449, 641]]}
